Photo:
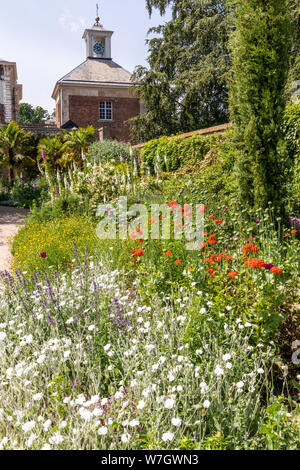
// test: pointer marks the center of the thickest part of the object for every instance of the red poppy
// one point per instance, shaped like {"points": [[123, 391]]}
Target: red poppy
{"points": [[275, 270], [178, 262], [255, 263], [250, 248], [211, 216], [294, 231], [210, 261], [218, 221], [212, 239], [211, 271], [232, 274], [168, 253]]}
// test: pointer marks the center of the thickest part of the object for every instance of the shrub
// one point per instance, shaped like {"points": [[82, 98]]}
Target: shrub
{"points": [[25, 193], [291, 128], [54, 238], [176, 151], [109, 150]]}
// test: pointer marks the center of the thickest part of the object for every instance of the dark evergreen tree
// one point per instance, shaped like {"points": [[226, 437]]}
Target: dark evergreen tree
{"points": [[185, 87], [260, 59]]}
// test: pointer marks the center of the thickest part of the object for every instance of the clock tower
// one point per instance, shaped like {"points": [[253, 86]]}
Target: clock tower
{"points": [[98, 92], [98, 41]]}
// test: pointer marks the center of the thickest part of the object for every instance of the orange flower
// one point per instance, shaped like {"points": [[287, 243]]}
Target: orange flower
{"points": [[212, 239], [211, 216], [139, 252], [211, 271], [232, 274], [250, 248], [134, 260], [203, 245], [210, 261], [275, 270], [287, 235], [168, 253], [218, 221], [255, 263], [173, 203], [178, 262], [294, 231]]}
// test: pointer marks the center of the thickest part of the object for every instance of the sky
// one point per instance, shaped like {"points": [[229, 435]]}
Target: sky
{"points": [[44, 38]]}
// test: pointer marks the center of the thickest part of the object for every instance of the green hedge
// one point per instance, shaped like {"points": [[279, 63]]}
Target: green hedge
{"points": [[176, 151]]}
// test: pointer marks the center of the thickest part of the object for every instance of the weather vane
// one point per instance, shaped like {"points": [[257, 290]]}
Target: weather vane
{"points": [[97, 16]]}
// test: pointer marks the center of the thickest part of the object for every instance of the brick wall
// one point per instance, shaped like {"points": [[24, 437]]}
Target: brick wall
{"points": [[84, 111]]}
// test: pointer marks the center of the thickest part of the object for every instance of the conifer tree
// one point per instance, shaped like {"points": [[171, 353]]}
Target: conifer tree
{"points": [[260, 60]]}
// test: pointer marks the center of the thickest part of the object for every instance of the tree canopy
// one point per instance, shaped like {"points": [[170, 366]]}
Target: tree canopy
{"points": [[184, 87], [30, 115]]}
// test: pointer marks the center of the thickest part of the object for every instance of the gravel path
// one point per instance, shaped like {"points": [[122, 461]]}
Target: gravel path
{"points": [[10, 220]]}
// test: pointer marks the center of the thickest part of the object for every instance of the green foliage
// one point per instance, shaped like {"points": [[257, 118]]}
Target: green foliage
{"points": [[176, 152], [109, 150], [52, 149], [260, 45], [27, 193], [291, 128], [65, 205], [185, 86], [76, 144], [12, 141], [30, 115]]}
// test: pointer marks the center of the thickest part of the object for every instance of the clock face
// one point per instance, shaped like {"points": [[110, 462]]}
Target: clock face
{"points": [[99, 48]]}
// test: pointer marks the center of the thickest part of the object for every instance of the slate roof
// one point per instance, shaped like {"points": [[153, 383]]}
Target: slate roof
{"points": [[98, 71]]}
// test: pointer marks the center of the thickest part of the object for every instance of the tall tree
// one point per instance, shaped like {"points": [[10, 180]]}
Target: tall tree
{"points": [[12, 141], [30, 115], [185, 86], [260, 57]]}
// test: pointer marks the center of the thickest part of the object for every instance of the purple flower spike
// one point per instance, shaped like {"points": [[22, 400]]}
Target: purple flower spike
{"points": [[257, 221]]}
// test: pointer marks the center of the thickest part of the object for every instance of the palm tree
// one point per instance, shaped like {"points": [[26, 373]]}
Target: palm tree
{"points": [[77, 142], [52, 150], [12, 141]]}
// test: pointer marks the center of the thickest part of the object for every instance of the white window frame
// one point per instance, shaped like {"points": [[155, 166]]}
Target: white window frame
{"points": [[108, 109]]}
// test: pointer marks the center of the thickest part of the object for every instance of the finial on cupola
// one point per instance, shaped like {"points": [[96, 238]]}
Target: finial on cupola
{"points": [[97, 16]]}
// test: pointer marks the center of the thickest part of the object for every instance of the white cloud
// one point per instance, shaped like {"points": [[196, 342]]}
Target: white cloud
{"points": [[70, 22]]}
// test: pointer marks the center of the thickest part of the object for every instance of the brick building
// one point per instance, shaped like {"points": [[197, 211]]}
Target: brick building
{"points": [[98, 92], [10, 92]]}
